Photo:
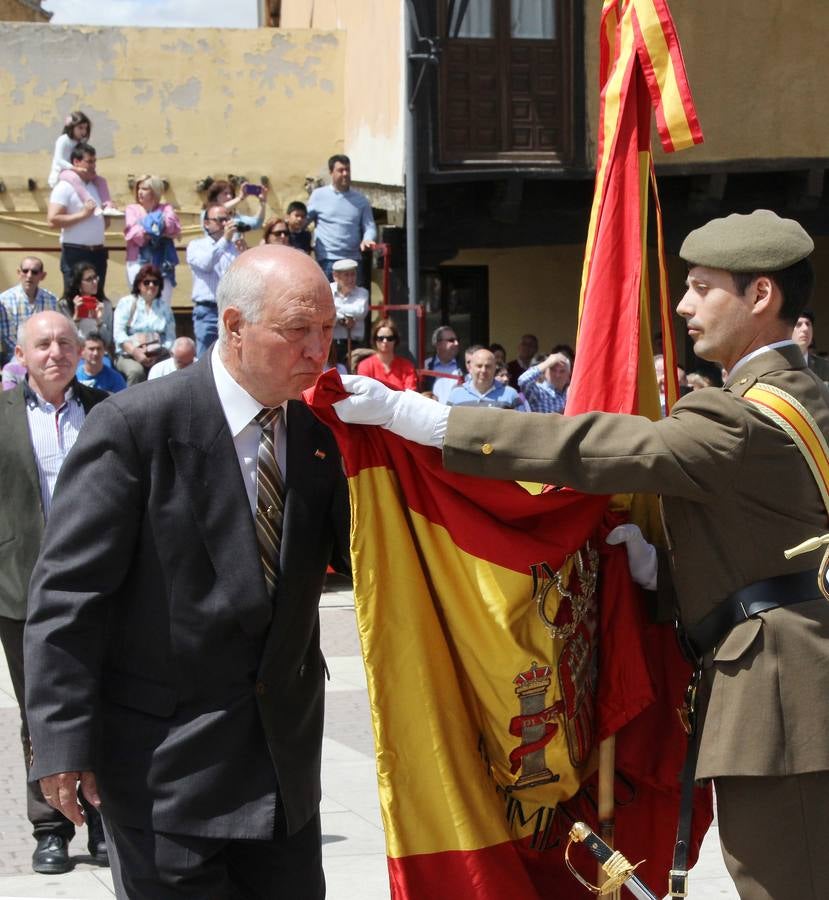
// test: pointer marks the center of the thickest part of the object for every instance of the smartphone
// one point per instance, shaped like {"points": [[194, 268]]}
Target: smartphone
{"points": [[88, 307], [254, 190]]}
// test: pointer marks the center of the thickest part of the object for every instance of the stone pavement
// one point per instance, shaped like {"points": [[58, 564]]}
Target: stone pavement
{"points": [[353, 846]]}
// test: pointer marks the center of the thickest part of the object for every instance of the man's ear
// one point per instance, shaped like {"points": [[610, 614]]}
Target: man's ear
{"points": [[232, 320], [765, 296]]}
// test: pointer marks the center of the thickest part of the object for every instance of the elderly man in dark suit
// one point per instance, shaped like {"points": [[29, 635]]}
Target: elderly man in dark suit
{"points": [[737, 492], [172, 648], [39, 421]]}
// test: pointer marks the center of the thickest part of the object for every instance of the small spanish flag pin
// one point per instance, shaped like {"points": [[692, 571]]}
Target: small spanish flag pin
{"points": [[320, 454]]}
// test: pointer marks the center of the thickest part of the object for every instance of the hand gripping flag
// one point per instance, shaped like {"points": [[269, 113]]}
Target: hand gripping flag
{"points": [[502, 637]]}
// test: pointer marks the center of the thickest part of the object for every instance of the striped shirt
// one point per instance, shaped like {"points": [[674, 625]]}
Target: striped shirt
{"points": [[53, 431], [15, 307]]}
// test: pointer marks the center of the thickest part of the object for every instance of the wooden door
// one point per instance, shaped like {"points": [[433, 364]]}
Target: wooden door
{"points": [[504, 92]]}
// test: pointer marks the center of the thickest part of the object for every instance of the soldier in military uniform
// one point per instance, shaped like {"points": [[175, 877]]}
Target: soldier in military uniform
{"points": [[736, 492]]}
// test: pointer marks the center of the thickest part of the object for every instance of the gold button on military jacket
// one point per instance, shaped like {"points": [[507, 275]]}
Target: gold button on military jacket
{"points": [[736, 494]]}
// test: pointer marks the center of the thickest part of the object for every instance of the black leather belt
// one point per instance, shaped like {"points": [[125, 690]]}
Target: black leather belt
{"points": [[85, 246], [748, 601]]}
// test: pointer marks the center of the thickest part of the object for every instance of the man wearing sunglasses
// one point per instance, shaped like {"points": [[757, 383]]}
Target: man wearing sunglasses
{"points": [[20, 302], [209, 258]]}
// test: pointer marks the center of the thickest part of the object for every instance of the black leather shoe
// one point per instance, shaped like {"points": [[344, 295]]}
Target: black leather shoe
{"points": [[51, 856], [98, 851], [97, 842]]}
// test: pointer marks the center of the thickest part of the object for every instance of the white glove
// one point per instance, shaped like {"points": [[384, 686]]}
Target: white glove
{"points": [[641, 555], [369, 403], [405, 413]]}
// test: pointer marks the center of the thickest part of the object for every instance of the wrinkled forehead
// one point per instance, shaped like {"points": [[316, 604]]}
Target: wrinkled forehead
{"points": [[304, 300]]}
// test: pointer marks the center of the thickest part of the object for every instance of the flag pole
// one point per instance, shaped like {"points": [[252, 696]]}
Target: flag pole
{"points": [[607, 811]]}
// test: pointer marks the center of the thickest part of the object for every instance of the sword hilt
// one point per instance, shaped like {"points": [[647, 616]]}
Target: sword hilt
{"points": [[617, 868]]}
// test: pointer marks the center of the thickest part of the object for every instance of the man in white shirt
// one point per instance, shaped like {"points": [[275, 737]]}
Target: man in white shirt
{"points": [[181, 356], [82, 225], [351, 303]]}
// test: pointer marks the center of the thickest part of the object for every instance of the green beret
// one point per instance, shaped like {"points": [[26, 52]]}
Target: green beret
{"points": [[758, 242]]}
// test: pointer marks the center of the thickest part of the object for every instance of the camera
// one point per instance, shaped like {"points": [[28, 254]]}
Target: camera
{"points": [[252, 190], [241, 227]]}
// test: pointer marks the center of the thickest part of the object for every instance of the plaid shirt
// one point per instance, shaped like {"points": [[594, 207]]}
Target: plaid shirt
{"points": [[16, 308], [541, 395]]}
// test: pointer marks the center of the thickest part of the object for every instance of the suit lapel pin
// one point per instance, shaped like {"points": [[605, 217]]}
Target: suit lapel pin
{"points": [[320, 454]]}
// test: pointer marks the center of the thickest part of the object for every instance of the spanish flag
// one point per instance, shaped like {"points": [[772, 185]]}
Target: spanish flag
{"points": [[493, 672], [502, 638]]}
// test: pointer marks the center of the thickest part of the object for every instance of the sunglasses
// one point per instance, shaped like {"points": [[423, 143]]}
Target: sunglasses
{"points": [[280, 233], [385, 337], [90, 278], [220, 219], [147, 282], [31, 271]]}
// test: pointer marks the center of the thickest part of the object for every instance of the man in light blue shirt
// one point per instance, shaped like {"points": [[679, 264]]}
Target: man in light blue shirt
{"points": [[344, 223], [482, 389], [209, 258]]}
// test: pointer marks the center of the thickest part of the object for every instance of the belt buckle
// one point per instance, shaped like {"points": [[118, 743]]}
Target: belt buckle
{"points": [[678, 883]]}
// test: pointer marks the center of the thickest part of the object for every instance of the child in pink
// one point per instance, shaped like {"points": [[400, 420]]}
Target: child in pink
{"points": [[77, 128]]}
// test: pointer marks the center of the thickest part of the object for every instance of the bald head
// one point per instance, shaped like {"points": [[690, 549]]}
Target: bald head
{"points": [[49, 346], [482, 369], [276, 316], [183, 352]]}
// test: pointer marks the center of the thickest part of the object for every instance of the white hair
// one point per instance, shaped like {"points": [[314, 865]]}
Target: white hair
{"points": [[244, 288]]}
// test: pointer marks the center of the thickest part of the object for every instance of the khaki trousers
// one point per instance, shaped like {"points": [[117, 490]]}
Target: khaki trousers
{"points": [[774, 834]]}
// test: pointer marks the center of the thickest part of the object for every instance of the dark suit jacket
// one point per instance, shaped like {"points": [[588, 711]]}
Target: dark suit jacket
{"points": [[154, 656], [21, 512], [820, 366]]}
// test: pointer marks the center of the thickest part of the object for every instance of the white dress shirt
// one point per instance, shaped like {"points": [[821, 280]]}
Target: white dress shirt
{"points": [[239, 409]]}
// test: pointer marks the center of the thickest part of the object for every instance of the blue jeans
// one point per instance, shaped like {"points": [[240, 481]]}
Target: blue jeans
{"points": [[205, 326]]}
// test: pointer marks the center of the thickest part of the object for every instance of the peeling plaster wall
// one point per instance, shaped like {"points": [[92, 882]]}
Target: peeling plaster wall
{"points": [[374, 79], [179, 103]]}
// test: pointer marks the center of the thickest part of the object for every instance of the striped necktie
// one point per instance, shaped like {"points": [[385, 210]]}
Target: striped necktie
{"points": [[270, 497]]}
